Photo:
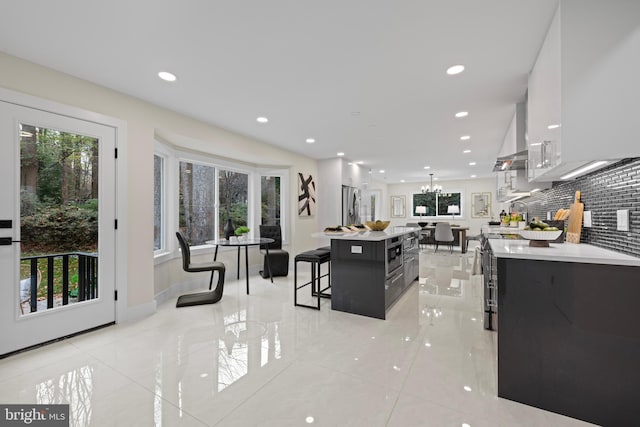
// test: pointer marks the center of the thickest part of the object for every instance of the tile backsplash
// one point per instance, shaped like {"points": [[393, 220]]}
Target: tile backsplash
{"points": [[603, 192]]}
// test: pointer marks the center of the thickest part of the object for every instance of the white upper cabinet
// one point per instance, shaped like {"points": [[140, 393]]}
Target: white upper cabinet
{"points": [[583, 88], [544, 115]]}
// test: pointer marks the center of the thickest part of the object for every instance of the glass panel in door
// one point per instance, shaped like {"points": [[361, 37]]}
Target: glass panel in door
{"points": [[59, 195]]}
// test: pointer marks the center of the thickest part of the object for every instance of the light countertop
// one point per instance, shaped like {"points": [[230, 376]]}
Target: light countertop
{"points": [[372, 236], [494, 229], [565, 252]]}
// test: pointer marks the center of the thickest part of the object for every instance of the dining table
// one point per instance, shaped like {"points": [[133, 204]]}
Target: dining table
{"points": [[460, 230], [244, 243]]}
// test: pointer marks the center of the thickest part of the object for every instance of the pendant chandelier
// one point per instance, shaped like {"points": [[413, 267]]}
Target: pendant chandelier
{"points": [[431, 188]]}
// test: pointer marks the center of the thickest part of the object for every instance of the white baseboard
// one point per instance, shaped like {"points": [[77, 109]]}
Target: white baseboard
{"points": [[180, 288], [138, 312]]}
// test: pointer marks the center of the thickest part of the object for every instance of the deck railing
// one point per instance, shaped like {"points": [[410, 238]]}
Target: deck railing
{"points": [[87, 283]]}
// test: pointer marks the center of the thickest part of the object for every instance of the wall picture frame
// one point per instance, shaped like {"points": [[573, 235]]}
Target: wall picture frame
{"points": [[480, 205], [306, 195], [398, 206]]}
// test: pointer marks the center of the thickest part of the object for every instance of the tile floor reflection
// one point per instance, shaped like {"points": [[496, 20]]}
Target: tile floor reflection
{"points": [[258, 360]]}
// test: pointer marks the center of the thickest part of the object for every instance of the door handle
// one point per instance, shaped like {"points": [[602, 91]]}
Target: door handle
{"points": [[7, 241]]}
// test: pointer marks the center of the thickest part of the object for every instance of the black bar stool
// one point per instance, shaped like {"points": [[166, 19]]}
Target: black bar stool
{"points": [[316, 257]]}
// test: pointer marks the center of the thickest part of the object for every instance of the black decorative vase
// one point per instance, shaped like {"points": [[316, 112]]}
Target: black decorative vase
{"points": [[228, 229]]}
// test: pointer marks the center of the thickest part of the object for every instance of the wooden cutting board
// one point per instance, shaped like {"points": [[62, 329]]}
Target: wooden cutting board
{"points": [[575, 220]]}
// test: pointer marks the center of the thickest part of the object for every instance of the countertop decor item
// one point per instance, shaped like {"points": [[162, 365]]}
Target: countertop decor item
{"points": [[377, 225], [575, 220], [540, 239], [228, 229]]}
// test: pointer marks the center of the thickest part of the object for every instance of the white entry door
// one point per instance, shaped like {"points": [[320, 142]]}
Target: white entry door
{"points": [[57, 231]]}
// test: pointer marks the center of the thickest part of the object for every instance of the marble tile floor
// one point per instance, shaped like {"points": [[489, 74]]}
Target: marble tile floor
{"points": [[259, 361]]}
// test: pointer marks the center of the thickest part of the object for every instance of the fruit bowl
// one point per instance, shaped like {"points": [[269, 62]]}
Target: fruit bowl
{"points": [[377, 225], [540, 238]]}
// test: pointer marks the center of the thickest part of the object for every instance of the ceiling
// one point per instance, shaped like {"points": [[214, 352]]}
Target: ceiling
{"points": [[363, 77]]}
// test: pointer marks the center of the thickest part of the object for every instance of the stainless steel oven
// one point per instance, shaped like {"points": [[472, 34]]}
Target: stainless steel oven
{"points": [[393, 254]]}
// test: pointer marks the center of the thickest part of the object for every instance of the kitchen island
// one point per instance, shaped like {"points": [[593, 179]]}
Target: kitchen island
{"points": [[569, 329], [371, 270]]}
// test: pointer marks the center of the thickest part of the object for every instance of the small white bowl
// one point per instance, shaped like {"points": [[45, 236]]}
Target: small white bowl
{"points": [[540, 235]]}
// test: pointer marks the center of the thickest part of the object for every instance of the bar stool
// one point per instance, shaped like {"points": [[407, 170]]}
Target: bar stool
{"points": [[316, 257]]}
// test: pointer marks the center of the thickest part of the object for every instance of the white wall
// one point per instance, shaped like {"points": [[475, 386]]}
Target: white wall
{"points": [[329, 192], [332, 175], [467, 187], [144, 121]]}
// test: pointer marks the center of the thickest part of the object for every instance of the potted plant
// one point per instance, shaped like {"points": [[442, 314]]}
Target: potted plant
{"points": [[241, 232]]}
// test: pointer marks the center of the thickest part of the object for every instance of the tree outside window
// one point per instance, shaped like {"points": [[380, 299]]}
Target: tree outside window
{"points": [[270, 200], [234, 193], [436, 203], [197, 202]]}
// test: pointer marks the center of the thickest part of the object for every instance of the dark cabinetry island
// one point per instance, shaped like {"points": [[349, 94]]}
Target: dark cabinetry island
{"points": [[569, 330], [371, 270]]}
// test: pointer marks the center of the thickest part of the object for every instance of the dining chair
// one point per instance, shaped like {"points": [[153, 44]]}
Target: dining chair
{"points": [[199, 298], [278, 258], [444, 234]]}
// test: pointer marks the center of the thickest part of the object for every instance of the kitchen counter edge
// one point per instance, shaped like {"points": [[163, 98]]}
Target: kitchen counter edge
{"points": [[563, 252], [371, 236]]}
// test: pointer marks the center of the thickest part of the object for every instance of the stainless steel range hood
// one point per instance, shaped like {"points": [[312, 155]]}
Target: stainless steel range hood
{"points": [[511, 165], [512, 162]]}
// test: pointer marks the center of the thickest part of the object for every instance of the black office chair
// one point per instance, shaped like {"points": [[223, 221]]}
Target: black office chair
{"points": [[278, 257], [210, 297]]}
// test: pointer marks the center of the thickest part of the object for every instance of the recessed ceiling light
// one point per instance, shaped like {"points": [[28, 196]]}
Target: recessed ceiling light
{"points": [[340, 154], [262, 120], [473, 176], [427, 167], [310, 140], [402, 180], [466, 151], [456, 69], [167, 76], [436, 179], [350, 163], [462, 114], [381, 171], [553, 126], [359, 162], [472, 163], [467, 388], [465, 137]]}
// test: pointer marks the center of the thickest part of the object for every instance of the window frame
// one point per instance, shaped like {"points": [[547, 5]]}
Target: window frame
{"points": [[166, 247], [283, 174], [439, 216], [170, 204]]}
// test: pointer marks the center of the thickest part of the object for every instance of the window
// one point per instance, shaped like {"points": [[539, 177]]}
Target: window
{"points": [[158, 202], [197, 202], [234, 196], [270, 213], [436, 204], [196, 194]]}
